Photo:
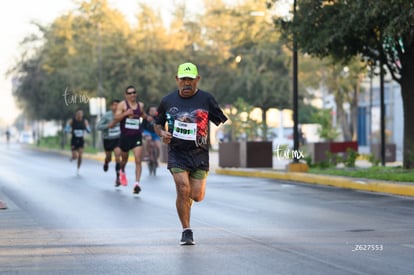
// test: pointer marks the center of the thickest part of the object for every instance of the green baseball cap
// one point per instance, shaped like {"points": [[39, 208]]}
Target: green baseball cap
{"points": [[187, 70]]}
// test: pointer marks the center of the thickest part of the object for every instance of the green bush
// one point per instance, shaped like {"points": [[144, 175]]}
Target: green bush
{"points": [[308, 160], [373, 160], [351, 157], [334, 159]]}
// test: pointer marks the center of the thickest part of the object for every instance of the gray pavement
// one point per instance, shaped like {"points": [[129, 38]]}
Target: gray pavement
{"points": [[61, 223], [279, 172]]}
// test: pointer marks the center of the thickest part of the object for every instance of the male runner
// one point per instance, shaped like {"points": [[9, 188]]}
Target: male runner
{"points": [[111, 132], [187, 111], [79, 126], [128, 113], [8, 134]]}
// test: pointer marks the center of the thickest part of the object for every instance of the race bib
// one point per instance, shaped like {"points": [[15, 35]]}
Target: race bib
{"points": [[185, 130], [78, 133], [132, 123], [113, 132]]}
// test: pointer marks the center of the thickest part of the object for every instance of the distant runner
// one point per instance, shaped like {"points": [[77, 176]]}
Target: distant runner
{"points": [[78, 125], [151, 138], [8, 134], [111, 132]]}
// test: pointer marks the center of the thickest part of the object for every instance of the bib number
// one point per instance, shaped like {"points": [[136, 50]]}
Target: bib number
{"points": [[185, 130], [113, 132], [78, 133], [132, 123]]}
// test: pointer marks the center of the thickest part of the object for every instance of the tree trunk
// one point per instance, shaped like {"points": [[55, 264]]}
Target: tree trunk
{"points": [[407, 93], [342, 119], [354, 113]]}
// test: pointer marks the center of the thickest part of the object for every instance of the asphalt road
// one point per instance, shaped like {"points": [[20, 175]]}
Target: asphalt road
{"points": [[61, 223]]}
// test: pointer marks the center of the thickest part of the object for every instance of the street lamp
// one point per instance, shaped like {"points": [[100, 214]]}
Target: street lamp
{"points": [[295, 166], [294, 86]]}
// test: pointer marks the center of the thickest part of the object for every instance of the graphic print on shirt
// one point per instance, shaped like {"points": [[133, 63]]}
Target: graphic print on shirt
{"points": [[191, 126]]}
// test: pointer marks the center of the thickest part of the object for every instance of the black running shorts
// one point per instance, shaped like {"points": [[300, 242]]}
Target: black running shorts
{"points": [[76, 143], [188, 160], [110, 144], [127, 143]]}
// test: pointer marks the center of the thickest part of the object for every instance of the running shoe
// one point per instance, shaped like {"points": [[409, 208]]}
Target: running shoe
{"points": [[117, 183], [105, 166], [187, 237], [122, 178], [137, 189]]}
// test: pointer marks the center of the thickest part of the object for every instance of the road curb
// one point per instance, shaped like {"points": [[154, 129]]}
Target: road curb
{"points": [[387, 187]]}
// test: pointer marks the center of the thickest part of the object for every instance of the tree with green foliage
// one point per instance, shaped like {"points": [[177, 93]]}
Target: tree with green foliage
{"points": [[94, 51], [255, 64], [381, 32], [241, 126], [344, 83], [327, 131], [65, 64]]}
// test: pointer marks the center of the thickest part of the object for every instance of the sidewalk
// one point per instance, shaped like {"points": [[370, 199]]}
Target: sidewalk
{"points": [[279, 172]]}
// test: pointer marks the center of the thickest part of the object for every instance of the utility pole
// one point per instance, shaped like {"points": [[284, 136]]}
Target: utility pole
{"points": [[295, 90], [295, 166], [382, 72]]}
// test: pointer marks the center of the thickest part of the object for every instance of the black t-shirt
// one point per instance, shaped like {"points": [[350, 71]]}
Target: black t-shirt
{"points": [[78, 128], [187, 120]]}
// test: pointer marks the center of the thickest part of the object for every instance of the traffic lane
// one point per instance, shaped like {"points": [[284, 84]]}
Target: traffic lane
{"points": [[132, 250], [244, 226], [69, 226], [47, 183], [352, 228]]}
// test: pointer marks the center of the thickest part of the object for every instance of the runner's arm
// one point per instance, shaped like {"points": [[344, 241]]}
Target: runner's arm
{"points": [[120, 113], [87, 127], [144, 115], [68, 126], [159, 126], [164, 135], [103, 123]]}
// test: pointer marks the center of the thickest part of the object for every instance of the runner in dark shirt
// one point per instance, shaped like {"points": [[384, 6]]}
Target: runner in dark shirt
{"points": [[187, 112], [128, 113], [78, 125]]}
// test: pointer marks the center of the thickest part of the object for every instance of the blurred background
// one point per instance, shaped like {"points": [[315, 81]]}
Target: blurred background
{"points": [[57, 56]]}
